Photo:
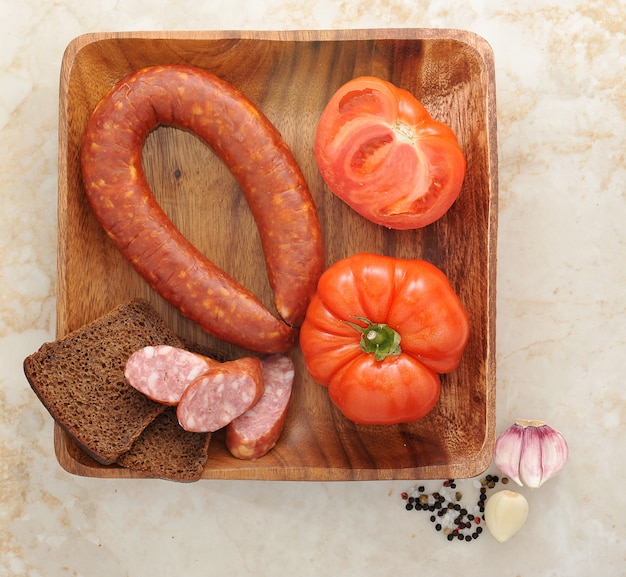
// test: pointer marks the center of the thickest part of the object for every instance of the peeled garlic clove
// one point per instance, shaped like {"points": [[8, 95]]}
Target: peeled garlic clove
{"points": [[505, 514], [530, 452]]}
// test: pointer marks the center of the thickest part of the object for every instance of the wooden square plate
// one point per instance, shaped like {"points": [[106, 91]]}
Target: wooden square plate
{"points": [[291, 76]]}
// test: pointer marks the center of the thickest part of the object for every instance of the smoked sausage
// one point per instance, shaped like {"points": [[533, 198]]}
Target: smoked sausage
{"points": [[162, 372], [220, 395], [256, 432], [251, 147]]}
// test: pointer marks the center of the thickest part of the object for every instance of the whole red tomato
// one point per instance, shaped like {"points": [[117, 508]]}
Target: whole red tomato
{"points": [[377, 333], [379, 150]]}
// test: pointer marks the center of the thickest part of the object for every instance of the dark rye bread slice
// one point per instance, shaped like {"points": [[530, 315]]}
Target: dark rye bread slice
{"points": [[165, 450], [80, 379]]}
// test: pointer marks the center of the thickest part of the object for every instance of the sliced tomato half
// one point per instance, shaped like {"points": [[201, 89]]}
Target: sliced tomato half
{"points": [[380, 151]]}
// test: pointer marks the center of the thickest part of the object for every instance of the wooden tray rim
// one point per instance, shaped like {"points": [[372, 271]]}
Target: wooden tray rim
{"points": [[484, 51]]}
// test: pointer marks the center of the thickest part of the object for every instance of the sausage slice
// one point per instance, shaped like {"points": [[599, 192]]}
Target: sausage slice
{"points": [[162, 372], [222, 394]]}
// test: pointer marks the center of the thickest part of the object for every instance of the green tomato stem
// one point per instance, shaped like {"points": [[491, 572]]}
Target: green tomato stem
{"points": [[378, 339]]}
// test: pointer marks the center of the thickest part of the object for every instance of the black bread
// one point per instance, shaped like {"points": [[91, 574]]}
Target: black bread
{"points": [[165, 450], [80, 380]]}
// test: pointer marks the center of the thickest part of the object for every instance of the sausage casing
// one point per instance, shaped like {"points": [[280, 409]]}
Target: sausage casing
{"points": [[267, 172]]}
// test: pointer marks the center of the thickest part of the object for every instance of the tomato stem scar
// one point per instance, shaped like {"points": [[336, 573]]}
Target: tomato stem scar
{"points": [[404, 130]]}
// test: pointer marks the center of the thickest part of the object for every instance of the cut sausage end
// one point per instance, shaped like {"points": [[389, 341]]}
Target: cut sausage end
{"points": [[257, 431]]}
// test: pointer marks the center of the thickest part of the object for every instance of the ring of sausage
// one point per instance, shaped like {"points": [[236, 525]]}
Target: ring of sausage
{"points": [[264, 167]]}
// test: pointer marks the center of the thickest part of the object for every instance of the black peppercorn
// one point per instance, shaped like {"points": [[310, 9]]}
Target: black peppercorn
{"points": [[448, 514]]}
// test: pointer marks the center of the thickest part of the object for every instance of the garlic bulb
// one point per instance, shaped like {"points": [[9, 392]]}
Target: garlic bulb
{"points": [[530, 452], [505, 514]]}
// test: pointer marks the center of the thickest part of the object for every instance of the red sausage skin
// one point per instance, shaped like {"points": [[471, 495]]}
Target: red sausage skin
{"points": [[269, 177], [257, 431], [222, 394]]}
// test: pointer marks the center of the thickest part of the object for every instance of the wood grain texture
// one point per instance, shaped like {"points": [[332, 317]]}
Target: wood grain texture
{"points": [[291, 76]]}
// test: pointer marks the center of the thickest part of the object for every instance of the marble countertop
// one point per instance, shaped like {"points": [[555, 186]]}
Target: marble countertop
{"points": [[561, 341]]}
